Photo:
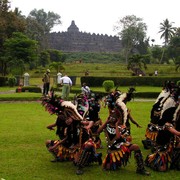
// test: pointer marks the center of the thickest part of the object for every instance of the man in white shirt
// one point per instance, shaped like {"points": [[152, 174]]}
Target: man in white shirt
{"points": [[66, 84]]}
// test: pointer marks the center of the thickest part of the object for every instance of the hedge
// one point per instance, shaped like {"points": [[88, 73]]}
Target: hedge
{"points": [[29, 89], [129, 81], [3, 81]]}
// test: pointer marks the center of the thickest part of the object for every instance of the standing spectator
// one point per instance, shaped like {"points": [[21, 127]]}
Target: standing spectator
{"points": [[67, 83], [85, 89], [46, 81], [86, 73], [155, 72]]}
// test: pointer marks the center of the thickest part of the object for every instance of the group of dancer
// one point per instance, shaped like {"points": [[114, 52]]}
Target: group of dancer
{"points": [[163, 131], [79, 126], [76, 125]]}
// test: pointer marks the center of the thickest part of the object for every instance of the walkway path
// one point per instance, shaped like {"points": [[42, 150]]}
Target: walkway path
{"points": [[8, 92]]}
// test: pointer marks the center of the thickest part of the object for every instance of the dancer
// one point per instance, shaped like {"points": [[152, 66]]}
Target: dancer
{"points": [[85, 90], [93, 115], [167, 143], [162, 102], [52, 145], [119, 149]]}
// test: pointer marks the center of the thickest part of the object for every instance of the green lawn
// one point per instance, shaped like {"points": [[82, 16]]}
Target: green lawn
{"points": [[23, 155], [107, 70], [76, 87], [7, 92]]}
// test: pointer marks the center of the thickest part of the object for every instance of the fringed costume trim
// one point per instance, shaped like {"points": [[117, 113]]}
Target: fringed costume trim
{"points": [[151, 134], [116, 158], [66, 153], [159, 160]]}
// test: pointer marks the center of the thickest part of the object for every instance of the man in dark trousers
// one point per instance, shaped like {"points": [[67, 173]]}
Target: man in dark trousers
{"points": [[46, 81]]}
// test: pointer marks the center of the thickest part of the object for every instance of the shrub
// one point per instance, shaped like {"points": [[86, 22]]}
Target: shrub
{"points": [[178, 83], [11, 81], [108, 85], [150, 74], [30, 89], [3, 80]]}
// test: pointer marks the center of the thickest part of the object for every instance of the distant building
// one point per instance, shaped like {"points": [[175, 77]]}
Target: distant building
{"points": [[75, 41]]}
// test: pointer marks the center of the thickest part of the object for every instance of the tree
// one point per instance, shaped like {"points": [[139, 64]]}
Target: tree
{"points": [[47, 20], [44, 58], [19, 13], [132, 31], [34, 30], [16, 66], [4, 4], [41, 22], [177, 33], [135, 63], [142, 46], [174, 50], [156, 52], [10, 22], [167, 31], [19, 49], [56, 55], [57, 66]]}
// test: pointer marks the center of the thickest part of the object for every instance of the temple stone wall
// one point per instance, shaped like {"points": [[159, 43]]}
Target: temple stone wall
{"points": [[75, 41]]}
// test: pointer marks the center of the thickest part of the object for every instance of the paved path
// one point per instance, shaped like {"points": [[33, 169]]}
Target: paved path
{"points": [[144, 100], [8, 92]]}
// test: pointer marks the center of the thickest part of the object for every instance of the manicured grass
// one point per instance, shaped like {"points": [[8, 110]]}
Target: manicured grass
{"points": [[125, 89], [108, 70], [23, 154], [6, 88], [22, 94], [101, 89], [7, 93]]}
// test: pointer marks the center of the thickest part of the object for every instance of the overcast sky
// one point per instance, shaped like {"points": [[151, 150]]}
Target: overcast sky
{"points": [[99, 16]]}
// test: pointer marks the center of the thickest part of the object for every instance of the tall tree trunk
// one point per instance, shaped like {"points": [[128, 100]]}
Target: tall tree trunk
{"points": [[127, 54], [162, 56]]}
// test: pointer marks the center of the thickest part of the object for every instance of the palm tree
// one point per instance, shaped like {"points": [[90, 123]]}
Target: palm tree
{"points": [[18, 13], [167, 31], [135, 63], [178, 32]]}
